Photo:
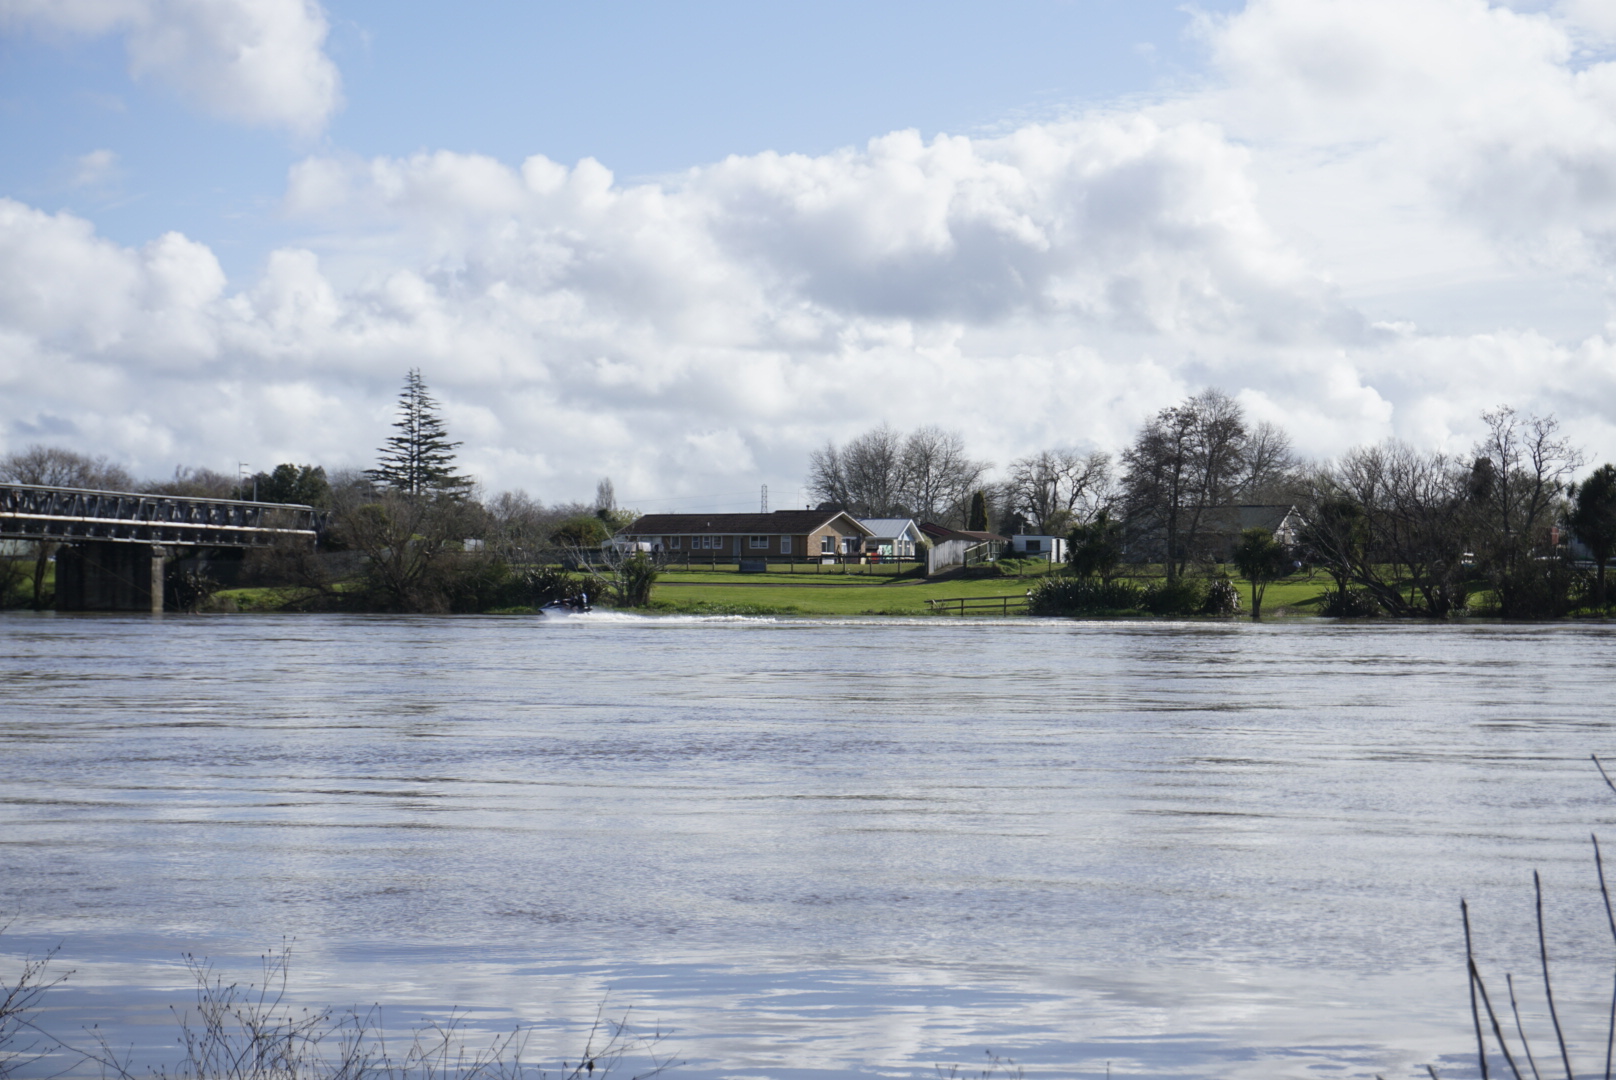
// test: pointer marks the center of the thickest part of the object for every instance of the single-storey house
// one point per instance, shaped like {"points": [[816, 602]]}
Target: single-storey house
{"points": [[1218, 532], [791, 533], [1284, 521], [892, 538]]}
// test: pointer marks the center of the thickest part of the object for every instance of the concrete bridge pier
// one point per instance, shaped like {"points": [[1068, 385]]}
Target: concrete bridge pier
{"points": [[107, 576]]}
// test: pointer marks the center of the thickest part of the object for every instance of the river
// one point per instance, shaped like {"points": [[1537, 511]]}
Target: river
{"points": [[819, 847]]}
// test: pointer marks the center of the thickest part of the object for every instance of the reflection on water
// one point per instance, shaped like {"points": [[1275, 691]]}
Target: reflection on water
{"points": [[819, 847]]}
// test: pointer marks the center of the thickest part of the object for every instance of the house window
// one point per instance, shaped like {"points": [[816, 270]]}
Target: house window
{"points": [[759, 543], [1034, 546], [673, 543], [850, 544], [785, 545], [827, 545]]}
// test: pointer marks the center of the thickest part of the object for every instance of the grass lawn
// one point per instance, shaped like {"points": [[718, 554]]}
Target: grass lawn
{"points": [[735, 594], [731, 598]]}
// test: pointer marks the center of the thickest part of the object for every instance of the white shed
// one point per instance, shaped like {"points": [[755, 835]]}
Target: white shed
{"points": [[1032, 546]]}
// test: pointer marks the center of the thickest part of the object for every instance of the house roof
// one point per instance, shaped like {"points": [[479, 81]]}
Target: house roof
{"points": [[888, 526], [943, 532], [784, 522], [1259, 516]]}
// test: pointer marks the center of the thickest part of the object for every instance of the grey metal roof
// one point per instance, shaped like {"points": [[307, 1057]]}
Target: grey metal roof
{"points": [[890, 526]]}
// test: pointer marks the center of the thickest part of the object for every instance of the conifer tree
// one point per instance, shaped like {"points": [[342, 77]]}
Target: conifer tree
{"points": [[978, 521], [419, 460]]}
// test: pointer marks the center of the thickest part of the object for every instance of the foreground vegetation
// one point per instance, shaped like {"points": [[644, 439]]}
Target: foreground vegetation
{"points": [[251, 1031]]}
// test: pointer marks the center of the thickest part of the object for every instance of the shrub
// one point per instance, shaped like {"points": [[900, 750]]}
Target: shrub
{"points": [[1222, 598], [633, 581], [1184, 596], [1082, 596], [187, 588], [1352, 604], [1539, 589], [1095, 548], [536, 586]]}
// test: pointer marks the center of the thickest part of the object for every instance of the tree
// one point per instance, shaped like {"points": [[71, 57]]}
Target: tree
{"points": [[977, 520], [305, 485], [1271, 473], [581, 531], [51, 466], [882, 473], [864, 477], [419, 459], [1335, 533], [1260, 559], [1095, 549], [1054, 489], [1516, 487], [1593, 520], [412, 545], [1185, 461], [195, 483], [936, 475]]}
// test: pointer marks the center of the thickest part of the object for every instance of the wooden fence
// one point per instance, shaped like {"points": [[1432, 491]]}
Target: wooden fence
{"points": [[979, 605]]}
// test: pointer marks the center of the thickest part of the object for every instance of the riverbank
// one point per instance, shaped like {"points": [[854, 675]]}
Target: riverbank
{"points": [[720, 593]]}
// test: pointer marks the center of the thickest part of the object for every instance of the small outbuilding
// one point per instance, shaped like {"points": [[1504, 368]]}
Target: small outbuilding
{"points": [[1036, 546]]}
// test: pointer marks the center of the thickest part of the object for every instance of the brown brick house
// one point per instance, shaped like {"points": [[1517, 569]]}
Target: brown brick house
{"points": [[784, 533]]}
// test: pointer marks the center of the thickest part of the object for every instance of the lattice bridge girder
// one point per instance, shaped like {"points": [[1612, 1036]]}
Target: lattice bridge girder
{"points": [[70, 515]]}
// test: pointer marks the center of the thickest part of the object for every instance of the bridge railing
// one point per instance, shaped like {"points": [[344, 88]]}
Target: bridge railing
{"points": [[33, 512]]}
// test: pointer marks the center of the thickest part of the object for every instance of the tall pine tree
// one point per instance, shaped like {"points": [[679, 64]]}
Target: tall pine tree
{"points": [[419, 460], [978, 519]]}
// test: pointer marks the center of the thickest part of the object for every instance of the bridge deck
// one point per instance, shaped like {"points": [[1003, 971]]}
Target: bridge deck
{"points": [[31, 512]]}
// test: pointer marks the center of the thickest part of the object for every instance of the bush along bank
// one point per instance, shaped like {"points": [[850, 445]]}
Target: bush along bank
{"points": [[1185, 596]]}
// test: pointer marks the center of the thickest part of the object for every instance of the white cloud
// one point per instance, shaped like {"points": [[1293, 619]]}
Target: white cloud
{"points": [[1491, 110], [1049, 287], [255, 61], [96, 167]]}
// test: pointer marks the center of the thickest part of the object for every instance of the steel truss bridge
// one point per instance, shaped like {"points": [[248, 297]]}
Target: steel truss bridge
{"points": [[114, 543], [69, 515]]}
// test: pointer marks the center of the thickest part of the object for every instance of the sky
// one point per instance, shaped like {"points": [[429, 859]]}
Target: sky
{"points": [[683, 245]]}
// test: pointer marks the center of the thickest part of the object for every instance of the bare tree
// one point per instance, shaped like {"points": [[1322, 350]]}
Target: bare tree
{"points": [[1517, 486], [198, 483], [52, 466], [937, 475], [864, 477], [882, 473], [1056, 490], [1272, 467], [1392, 520]]}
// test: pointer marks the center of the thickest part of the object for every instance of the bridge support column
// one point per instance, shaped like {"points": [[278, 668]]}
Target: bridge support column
{"points": [[104, 576]]}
